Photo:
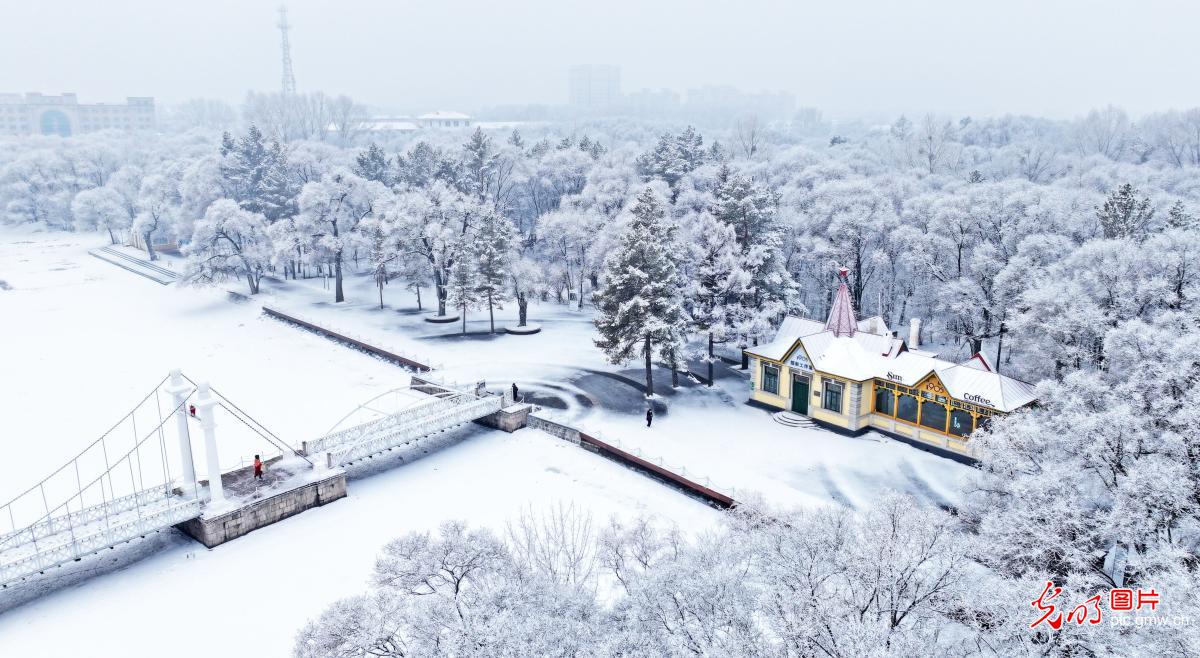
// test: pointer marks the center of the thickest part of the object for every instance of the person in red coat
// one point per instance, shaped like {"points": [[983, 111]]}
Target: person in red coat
{"points": [[257, 467]]}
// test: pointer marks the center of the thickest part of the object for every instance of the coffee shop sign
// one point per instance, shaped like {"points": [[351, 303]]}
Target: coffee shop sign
{"points": [[977, 399]]}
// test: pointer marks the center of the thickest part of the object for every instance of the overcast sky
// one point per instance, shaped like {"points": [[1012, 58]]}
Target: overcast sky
{"points": [[1048, 57]]}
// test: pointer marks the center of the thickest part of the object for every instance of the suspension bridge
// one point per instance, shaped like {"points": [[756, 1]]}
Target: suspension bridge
{"points": [[122, 487]]}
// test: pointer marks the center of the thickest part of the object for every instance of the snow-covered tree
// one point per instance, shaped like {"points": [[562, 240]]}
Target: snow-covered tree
{"points": [[640, 306], [673, 157], [229, 242], [462, 286], [334, 206], [494, 237], [1123, 215], [716, 282], [100, 209], [750, 209], [373, 164], [157, 203]]}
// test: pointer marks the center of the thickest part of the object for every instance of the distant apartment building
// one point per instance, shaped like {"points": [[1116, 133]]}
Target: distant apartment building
{"points": [[38, 114], [594, 87], [652, 103], [729, 101], [444, 119]]}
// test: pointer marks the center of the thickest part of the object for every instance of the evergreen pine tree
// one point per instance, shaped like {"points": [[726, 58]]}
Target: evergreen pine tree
{"points": [[227, 143], [1123, 215], [1178, 217], [673, 157], [462, 288], [515, 139], [640, 307], [275, 194], [493, 248], [716, 284], [750, 210], [374, 164], [479, 164]]}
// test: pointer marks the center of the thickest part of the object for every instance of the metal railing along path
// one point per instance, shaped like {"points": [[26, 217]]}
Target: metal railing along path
{"points": [[455, 414]]}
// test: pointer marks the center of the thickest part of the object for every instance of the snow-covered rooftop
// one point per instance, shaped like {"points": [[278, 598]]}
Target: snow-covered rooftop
{"points": [[443, 114], [869, 355]]}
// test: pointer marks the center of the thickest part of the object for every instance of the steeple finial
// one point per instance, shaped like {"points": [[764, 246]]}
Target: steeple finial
{"points": [[841, 316]]}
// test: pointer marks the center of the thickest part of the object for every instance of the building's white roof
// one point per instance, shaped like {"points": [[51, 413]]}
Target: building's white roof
{"points": [[443, 114], [774, 350], [867, 355], [390, 124], [795, 327]]}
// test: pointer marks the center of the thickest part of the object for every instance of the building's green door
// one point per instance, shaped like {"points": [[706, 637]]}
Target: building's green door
{"points": [[800, 396]]}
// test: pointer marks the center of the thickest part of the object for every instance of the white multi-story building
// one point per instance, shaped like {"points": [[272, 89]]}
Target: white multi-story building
{"points": [[38, 114], [444, 119], [594, 87]]}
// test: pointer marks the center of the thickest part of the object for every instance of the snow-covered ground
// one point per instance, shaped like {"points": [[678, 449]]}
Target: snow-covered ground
{"points": [[711, 433], [82, 340]]}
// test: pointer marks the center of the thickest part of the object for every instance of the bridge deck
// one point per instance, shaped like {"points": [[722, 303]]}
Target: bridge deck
{"points": [[66, 537]]}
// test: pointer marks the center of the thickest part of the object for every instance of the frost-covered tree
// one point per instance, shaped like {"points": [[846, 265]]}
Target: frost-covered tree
{"points": [[256, 174], [374, 164], [673, 157], [432, 220], [157, 203], [1123, 215], [229, 242], [462, 285], [640, 306], [716, 282], [750, 209], [383, 243], [100, 209], [494, 236], [456, 592], [333, 207]]}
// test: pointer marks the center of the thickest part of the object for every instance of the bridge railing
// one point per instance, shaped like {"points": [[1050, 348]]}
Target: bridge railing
{"points": [[358, 433], [63, 547], [446, 417]]}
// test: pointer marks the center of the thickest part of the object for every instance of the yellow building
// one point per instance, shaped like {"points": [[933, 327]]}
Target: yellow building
{"points": [[853, 376]]}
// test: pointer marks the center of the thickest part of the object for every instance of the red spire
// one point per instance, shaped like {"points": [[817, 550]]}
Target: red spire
{"points": [[841, 317]]}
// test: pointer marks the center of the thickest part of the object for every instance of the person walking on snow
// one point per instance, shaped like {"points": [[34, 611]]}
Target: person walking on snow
{"points": [[649, 416], [515, 398], [192, 410], [257, 468]]}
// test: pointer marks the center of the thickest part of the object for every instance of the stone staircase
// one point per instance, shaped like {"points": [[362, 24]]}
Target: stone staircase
{"points": [[792, 419]]}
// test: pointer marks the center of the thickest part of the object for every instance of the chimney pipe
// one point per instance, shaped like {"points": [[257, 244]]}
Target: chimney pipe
{"points": [[914, 333]]}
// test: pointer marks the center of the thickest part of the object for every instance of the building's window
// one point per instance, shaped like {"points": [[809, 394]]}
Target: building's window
{"points": [[933, 416], [906, 407], [960, 422], [833, 396], [771, 378], [982, 422], [885, 402]]}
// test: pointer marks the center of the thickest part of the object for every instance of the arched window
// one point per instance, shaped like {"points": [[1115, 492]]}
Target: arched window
{"points": [[54, 122]]}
